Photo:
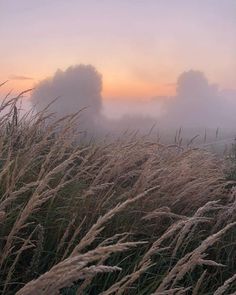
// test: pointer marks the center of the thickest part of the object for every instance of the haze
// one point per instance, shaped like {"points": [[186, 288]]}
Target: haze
{"points": [[173, 62]]}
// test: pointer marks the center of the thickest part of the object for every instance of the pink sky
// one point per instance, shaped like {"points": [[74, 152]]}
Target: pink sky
{"points": [[140, 47]]}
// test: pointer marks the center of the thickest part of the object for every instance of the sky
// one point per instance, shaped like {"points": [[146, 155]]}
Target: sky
{"points": [[139, 46]]}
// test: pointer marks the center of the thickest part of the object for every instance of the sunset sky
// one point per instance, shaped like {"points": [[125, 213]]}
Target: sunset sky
{"points": [[139, 46]]}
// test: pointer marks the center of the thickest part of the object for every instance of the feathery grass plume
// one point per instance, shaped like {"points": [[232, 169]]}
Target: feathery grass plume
{"points": [[144, 264], [33, 269], [2, 215], [99, 225], [72, 240], [156, 246], [174, 291], [72, 269], [66, 233], [38, 198], [199, 283], [188, 230], [25, 246], [190, 260], [222, 289], [122, 237], [121, 286], [163, 212]]}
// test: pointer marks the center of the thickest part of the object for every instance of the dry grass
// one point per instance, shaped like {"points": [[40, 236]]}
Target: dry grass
{"points": [[128, 217]]}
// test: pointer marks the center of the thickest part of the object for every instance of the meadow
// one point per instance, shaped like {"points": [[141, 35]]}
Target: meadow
{"points": [[131, 216]]}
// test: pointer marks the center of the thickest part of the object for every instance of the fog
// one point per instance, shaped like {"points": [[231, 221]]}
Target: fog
{"points": [[197, 105]]}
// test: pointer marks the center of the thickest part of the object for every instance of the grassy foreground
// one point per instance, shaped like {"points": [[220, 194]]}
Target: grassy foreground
{"points": [[128, 217]]}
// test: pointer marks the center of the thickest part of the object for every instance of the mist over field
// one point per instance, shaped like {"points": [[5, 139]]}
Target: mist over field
{"points": [[198, 105]]}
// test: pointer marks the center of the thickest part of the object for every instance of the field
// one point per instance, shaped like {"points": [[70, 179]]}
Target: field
{"points": [[130, 216]]}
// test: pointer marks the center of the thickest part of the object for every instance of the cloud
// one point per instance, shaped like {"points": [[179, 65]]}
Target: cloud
{"points": [[17, 77], [77, 87]]}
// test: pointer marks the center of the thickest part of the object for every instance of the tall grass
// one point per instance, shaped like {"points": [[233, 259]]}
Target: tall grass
{"points": [[128, 217]]}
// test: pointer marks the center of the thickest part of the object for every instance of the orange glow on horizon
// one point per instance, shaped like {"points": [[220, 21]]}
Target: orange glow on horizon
{"points": [[113, 89], [16, 87], [136, 91], [133, 90]]}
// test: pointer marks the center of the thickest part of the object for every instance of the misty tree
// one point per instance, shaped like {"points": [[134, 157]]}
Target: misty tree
{"points": [[78, 87]]}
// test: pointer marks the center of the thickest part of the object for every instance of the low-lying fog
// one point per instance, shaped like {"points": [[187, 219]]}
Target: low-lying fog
{"points": [[199, 107]]}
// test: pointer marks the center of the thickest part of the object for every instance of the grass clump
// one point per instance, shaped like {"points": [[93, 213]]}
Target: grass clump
{"points": [[127, 217]]}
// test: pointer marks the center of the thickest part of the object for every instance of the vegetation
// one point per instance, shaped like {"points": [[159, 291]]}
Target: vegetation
{"points": [[128, 217]]}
